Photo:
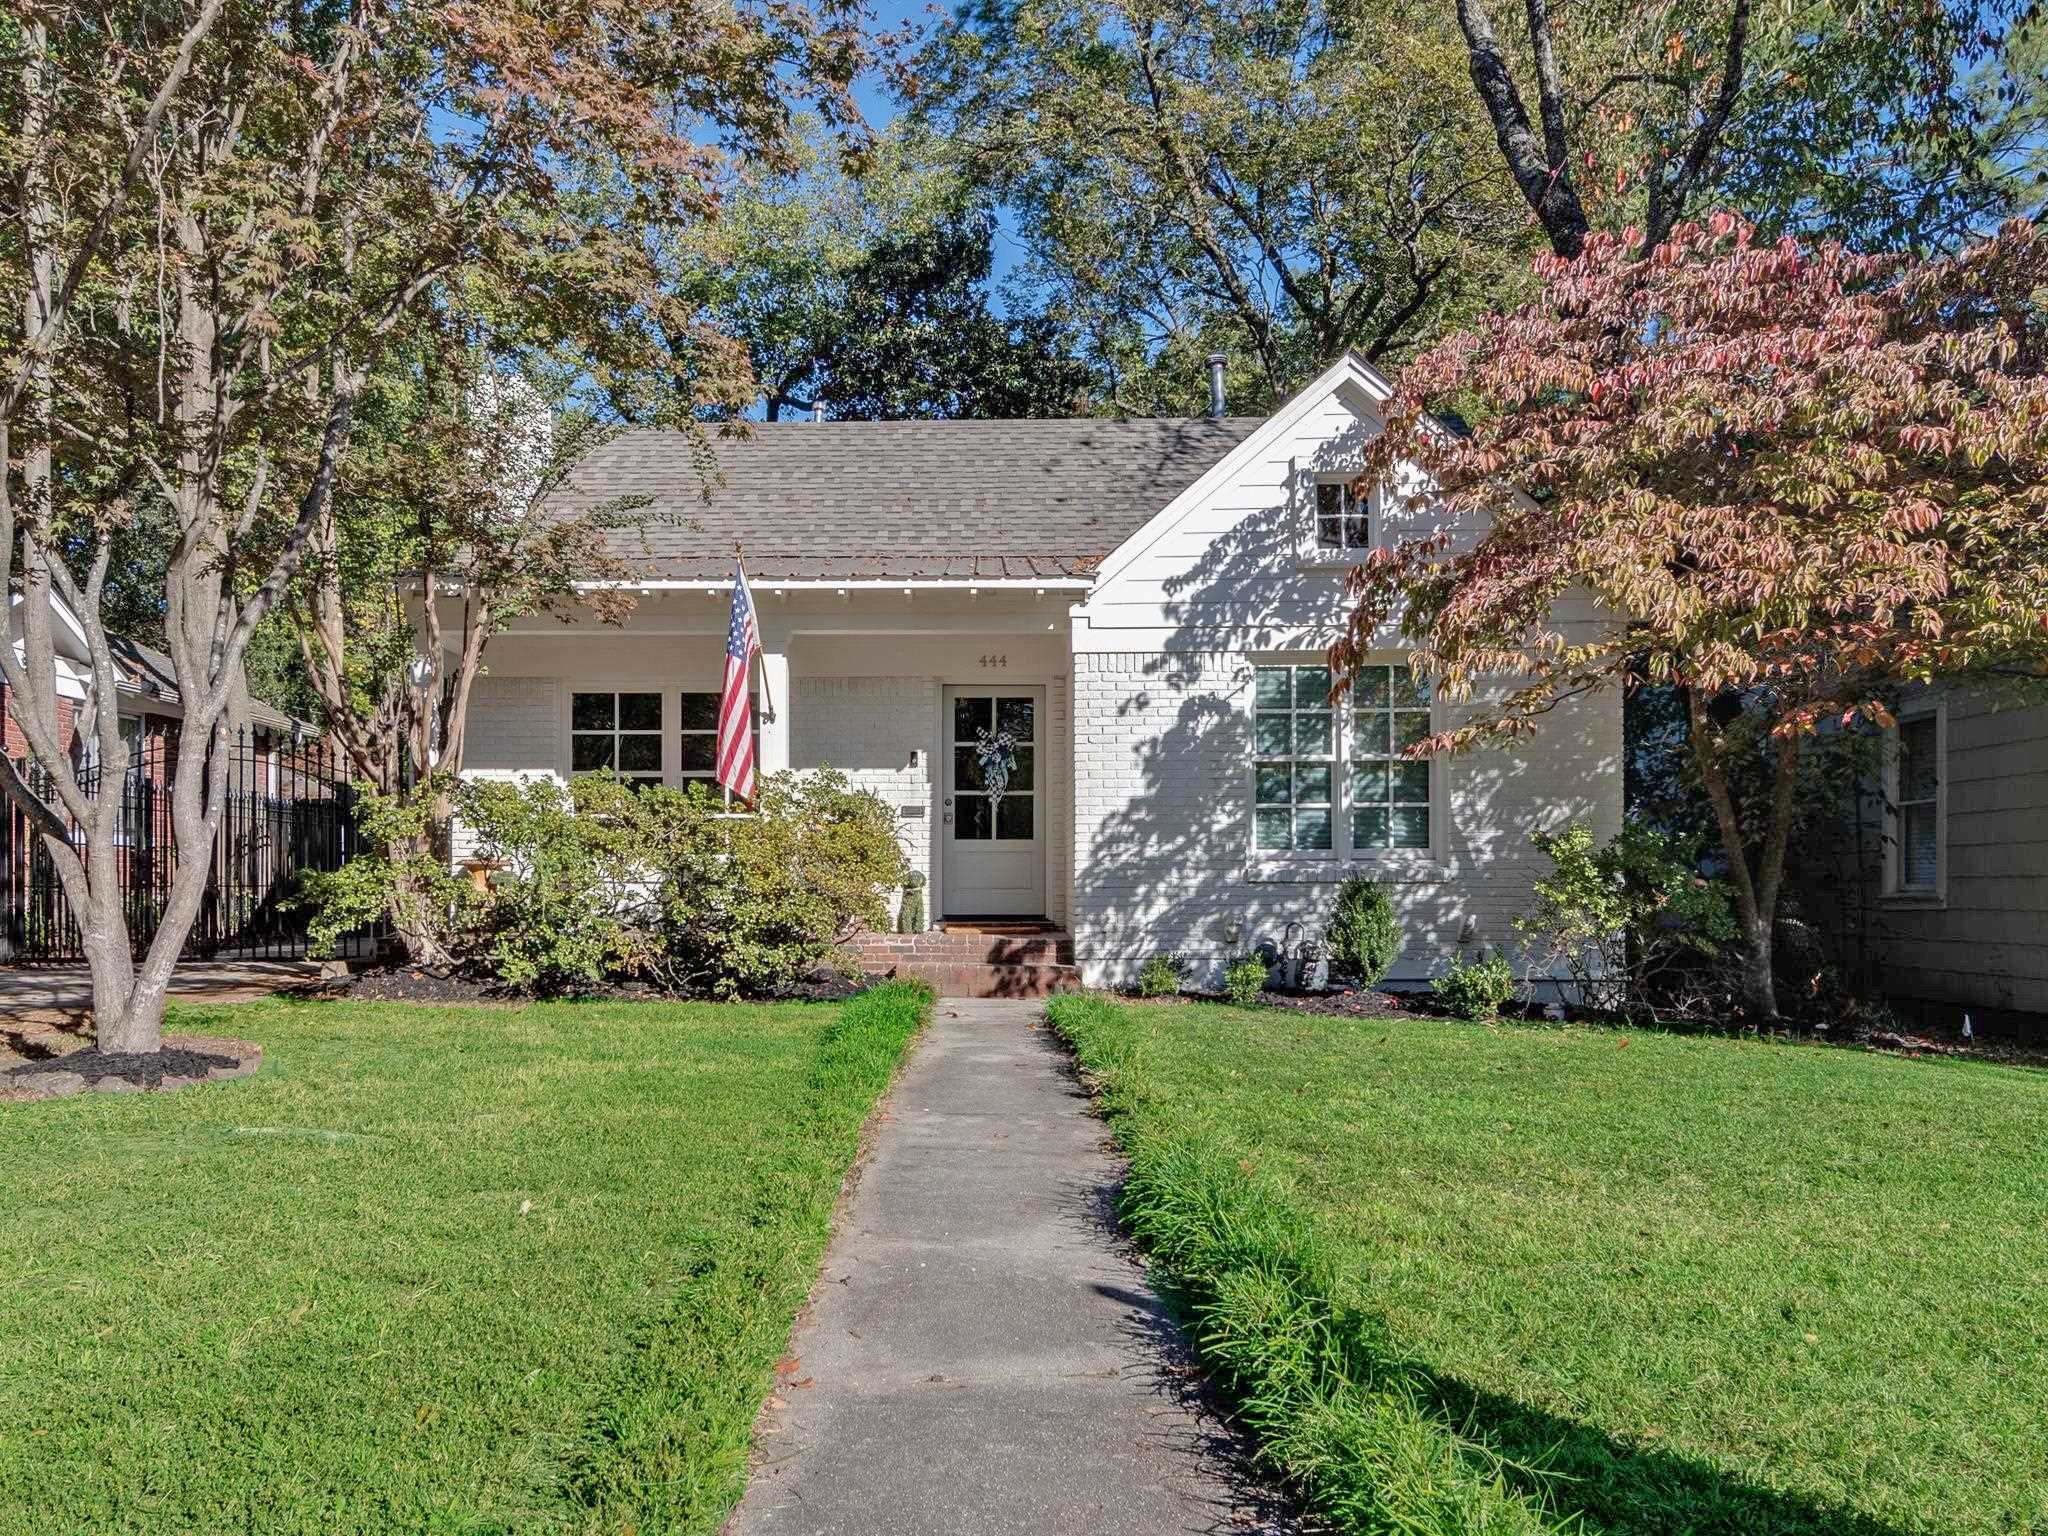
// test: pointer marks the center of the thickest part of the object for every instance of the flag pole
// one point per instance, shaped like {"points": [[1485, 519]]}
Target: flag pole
{"points": [[739, 560]]}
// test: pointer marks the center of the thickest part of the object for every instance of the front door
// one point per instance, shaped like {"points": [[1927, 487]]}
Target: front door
{"points": [[994, 823]]}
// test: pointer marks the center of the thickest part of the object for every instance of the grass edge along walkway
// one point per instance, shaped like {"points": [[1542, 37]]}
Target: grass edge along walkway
{"points": [[633, 1471], [1320, 1387]]}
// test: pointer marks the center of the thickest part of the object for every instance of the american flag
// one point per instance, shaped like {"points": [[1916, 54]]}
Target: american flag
{"points": [[735, 714]]}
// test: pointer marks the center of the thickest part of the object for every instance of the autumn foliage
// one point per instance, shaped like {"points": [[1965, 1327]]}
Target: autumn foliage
{"points": [[1798, 476]]}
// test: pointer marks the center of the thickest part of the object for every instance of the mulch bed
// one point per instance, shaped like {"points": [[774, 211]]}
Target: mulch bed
{"points": [[184, 1060], [417, 984], [1931, 1040]]}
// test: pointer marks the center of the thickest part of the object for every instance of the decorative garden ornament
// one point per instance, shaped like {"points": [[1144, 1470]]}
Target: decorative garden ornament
{"points": [[996, 751]]}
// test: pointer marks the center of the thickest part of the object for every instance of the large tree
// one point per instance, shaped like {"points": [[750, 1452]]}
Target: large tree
{"points": [[1278, 182], [222, 216], [1791, 480], [1844, 118], [861, 284]]}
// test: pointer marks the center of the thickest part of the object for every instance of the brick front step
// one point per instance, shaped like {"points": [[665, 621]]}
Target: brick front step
{"points": [[957, 947], [960, 979]]}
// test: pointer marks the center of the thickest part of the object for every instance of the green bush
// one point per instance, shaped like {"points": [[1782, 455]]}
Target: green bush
{"points": [[1365, 935], [910, 917], [1244, 980], [1634, 924], [601, 881], [398, 877], [1163, 975], [1475, 990], [574, 905]]}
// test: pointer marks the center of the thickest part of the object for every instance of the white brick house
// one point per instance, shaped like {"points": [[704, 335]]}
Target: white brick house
{"points": [[1146, 603]]}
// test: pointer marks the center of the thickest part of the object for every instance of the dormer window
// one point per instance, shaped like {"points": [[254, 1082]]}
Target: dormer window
{"points": [[1343, 518]]}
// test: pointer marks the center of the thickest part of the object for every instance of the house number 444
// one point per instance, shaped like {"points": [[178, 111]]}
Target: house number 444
{"points": [[995, 661]]}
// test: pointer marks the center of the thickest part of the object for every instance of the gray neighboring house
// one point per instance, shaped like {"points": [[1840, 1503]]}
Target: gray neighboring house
{"points": [[1937, 896]]}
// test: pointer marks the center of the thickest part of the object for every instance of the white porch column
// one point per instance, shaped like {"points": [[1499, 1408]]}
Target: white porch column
{"points": [[775, 705]]}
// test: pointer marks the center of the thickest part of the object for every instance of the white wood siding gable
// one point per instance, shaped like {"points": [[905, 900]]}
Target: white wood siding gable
{"points": [[1166, 649]]}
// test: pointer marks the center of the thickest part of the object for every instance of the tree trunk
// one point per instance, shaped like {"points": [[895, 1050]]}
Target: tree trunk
{"points": [[1759, 979]]}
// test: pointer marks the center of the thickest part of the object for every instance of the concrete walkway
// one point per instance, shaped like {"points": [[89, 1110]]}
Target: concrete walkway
{"points": [[982, 1354], [67, 989]]}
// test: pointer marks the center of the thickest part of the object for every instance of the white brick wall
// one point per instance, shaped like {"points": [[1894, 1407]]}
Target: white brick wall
{"points": [[514, 723], [867, 727], [1162, 808]]}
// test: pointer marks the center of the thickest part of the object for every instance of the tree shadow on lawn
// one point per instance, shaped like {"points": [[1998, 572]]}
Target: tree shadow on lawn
{"points": [[1575, 1469]]}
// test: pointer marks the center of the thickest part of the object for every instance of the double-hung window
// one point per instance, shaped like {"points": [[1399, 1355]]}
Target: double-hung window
{"points": [[1916, 806], [1329, 780]]}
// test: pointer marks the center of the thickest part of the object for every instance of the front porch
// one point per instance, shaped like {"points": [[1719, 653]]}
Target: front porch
{"points": [[892, 684]]}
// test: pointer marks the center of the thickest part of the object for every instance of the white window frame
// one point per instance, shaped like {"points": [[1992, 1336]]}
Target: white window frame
{"points": [[1342, 857], [663, 775], [1895, 887]]}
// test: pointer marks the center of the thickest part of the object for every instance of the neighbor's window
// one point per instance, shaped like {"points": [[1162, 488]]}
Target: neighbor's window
{"points": [[1295, 775], [619, 732], [1343, 518], [1919, 803], [697, 743], [1313, 784]]}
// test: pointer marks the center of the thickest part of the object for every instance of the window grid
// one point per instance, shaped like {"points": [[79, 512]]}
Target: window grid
{"points": [[1343, 518], [616, 733], [1294, 779], [1919, 804], [697, 739], [1307, 781], [1389, 792]]}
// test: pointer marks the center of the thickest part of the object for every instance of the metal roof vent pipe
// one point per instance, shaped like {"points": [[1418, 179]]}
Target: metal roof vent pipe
{"points": [[1216, 362], [818, 410]]}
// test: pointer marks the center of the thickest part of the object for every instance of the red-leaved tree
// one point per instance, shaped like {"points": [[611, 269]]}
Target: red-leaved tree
{"points": [[1798, 478]]}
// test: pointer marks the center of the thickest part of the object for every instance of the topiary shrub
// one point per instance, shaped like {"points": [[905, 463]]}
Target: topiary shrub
{"points": [[910, 917], [1244, 981], [1365, 934], [1163, 975], [1475, 990]]}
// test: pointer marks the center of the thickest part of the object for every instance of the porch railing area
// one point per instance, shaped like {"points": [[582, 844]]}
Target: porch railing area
{"points": [[289, 809]]}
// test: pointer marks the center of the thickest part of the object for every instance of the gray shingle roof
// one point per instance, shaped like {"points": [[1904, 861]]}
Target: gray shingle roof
{"points": [[887, 499]]}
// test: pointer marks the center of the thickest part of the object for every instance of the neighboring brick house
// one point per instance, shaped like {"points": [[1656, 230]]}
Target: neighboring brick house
{"points": [[1144, 603]]}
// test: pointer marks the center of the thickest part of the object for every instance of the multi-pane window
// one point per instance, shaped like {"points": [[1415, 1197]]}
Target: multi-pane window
{"points": [[978, 814], [697, 743], [1389, 792], [1314, 783], [1343, 518], [1294, 778], [618, 733], [1919, 804]]}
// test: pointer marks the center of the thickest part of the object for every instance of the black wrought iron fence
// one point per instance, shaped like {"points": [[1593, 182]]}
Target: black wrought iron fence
{"points": [[289, 808]]}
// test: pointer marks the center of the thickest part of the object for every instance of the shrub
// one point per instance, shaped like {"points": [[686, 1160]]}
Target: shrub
{"points": [[910, 917], [603, 880], [398, 877], [574, 907], [755, 904], [1163, 975], [1476, 989], [1244, 980], [1634, 924], [1364, 936]]}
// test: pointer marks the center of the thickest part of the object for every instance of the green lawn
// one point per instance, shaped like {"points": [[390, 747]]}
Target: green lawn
{"points": [[1704, 1284], [447, 1270]]}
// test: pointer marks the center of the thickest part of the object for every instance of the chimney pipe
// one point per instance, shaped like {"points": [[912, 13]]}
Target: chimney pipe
{"points": [[1216, 362], [818, 411]]}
